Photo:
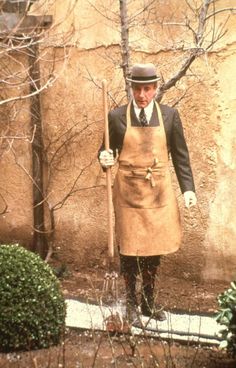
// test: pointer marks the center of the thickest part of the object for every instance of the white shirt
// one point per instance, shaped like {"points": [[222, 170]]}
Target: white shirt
{"points": [[148, 110]]}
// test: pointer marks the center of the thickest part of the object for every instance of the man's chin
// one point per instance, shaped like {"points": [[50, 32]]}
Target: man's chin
{"points": [[141, 104]]}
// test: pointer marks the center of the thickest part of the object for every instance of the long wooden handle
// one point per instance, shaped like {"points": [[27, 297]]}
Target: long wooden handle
{"points": [[108, 174]]}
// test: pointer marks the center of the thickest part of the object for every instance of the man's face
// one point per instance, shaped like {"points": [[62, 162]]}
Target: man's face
{"points": [[144, 93]]}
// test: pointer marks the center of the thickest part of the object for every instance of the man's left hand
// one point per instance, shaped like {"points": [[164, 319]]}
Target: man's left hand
{"points": [[190, 199]]}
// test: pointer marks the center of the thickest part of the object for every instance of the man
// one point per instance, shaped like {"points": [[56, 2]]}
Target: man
{"points": [[146, 210]]}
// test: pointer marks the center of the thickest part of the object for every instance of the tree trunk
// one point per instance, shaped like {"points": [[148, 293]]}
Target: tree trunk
{"points": [[125, 51], [40, 243]]}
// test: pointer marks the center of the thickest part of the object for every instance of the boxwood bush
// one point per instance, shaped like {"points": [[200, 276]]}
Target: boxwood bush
{"points": [[226, 316], [32, 307]]}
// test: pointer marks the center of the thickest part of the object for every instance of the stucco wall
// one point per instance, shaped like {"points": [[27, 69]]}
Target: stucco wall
{"points": [[73, 129], [220, 236], [15, 153]]}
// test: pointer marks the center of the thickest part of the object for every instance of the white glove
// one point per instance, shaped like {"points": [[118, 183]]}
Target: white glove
{"points": [[190, 199], [106, 159]]}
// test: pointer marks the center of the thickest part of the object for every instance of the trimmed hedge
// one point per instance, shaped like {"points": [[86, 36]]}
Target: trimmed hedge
{"points": [[32, 307], [226, 316]]}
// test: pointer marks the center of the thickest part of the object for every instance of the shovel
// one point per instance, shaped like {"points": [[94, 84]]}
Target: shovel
{"points": [[110, 279]]}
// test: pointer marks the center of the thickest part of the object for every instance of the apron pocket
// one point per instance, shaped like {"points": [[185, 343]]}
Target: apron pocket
{"points": [[136, 191]]}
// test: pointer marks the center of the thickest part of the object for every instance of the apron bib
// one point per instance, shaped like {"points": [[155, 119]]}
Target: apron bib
{"points": [[146, 210]]}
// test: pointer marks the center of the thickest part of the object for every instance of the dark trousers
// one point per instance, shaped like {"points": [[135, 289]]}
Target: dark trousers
{"points": [[146, 268]]}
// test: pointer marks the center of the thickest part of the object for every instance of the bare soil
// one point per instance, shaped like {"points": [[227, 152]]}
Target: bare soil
{"points": [[86, 349], [173, 292]]}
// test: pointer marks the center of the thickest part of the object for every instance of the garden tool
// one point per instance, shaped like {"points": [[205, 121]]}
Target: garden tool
{"points": [[108, 174], [114, 322], [110, 279], [110, 283]]}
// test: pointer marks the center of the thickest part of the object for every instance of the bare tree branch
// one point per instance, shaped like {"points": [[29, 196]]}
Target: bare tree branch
{"points": [[72, 190], [99, 86], [232, 10], [182, 72], [48, 84], [19, 137]]}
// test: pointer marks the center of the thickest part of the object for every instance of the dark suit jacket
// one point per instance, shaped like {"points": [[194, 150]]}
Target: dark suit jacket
{"points": [[176, 143]]}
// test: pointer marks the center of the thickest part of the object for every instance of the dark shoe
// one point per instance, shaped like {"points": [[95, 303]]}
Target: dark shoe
{"points": [[157, 313]]}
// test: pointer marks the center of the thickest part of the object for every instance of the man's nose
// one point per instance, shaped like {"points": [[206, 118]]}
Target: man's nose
{"points": [[141, 93]]}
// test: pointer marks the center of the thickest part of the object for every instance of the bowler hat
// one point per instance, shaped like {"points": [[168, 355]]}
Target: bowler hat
{"points": [[143, 73]]}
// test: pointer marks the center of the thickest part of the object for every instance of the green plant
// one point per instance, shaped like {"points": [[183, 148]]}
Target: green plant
{"points": [[226, 316], [32, 308]]}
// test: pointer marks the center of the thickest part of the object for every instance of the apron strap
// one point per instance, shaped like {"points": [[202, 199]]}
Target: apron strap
{"points": [[159, 114]]}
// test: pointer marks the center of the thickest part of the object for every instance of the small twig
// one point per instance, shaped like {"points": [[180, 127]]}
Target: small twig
{"points": [[49, 82], [97, 350], [232, 10]]}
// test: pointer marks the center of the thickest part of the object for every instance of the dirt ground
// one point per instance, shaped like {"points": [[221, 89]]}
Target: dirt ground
{"points": [[172, 292], [87, 349]]}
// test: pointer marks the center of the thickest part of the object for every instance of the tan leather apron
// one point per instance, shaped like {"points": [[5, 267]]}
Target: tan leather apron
{"points": [[146, 210]]}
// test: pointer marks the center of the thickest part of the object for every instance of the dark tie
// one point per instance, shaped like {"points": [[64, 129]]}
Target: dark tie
{"points": [[143, 118]]}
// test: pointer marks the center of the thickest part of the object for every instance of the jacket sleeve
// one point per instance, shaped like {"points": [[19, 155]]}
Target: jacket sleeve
{"points": [[180, 155], [117, 128]]}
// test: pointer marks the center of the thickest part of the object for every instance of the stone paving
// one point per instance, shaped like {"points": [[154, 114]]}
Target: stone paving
{"points": [[180, 327]]}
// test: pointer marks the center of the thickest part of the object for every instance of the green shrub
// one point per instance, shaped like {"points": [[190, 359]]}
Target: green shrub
{"points": [[32, 308], [226, 316]]}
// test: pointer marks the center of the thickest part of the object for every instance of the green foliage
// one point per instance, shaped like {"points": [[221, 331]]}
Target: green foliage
{"points": [[32, 308], [226, 316]]}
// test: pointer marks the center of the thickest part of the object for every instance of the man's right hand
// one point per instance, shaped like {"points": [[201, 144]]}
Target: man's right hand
{"points": [[106, 159]]}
